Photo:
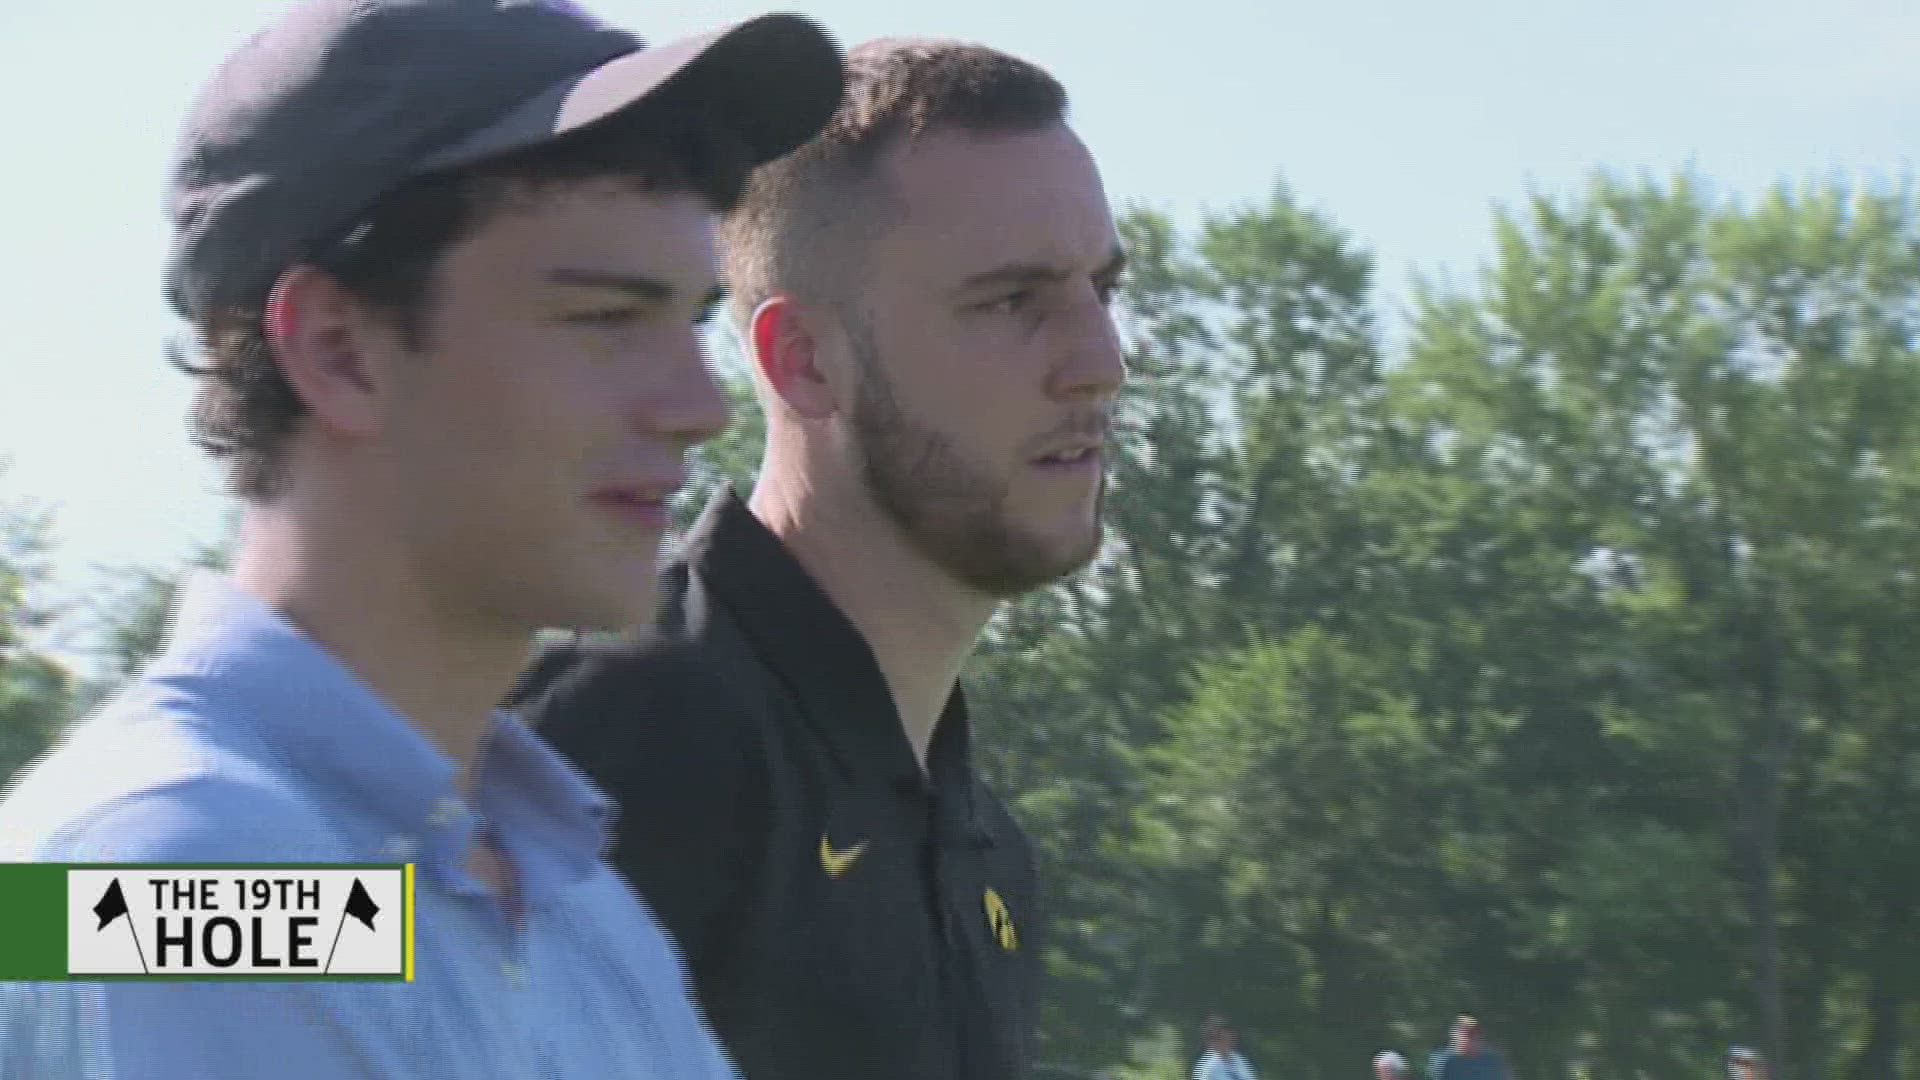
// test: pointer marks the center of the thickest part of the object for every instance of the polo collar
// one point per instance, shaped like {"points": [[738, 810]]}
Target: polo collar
{"points": [[813, 647]]}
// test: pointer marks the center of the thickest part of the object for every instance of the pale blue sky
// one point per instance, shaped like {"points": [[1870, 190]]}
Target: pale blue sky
{"points": [[1406, 121]]}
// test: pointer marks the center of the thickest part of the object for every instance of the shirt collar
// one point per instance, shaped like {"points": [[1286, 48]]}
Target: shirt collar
{"points": [[815, 649], [255, 669]]}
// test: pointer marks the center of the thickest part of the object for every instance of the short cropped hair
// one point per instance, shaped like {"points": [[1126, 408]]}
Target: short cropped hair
{"points": [[244, 409], [803, 220]]}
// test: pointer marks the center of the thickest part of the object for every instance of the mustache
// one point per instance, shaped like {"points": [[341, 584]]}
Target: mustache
{"points": [[1086, 424]]}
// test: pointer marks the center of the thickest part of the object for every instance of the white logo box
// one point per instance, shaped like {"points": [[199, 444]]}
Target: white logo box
{"points": [[248, 922]]}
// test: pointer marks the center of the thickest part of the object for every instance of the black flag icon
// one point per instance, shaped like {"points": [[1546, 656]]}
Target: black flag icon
{"points": [[361, 906], [112, 905]]}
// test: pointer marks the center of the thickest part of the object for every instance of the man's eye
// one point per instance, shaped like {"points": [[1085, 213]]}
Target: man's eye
{"points": [[1014, 301], [706, 313], [1106, 291]]}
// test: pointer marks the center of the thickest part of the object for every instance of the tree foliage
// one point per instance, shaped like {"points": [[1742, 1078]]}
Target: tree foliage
{"points": [[1548, 669], [35, 687]]}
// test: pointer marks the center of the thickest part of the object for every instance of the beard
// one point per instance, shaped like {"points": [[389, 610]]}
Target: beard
{"points": [[951, 510]]}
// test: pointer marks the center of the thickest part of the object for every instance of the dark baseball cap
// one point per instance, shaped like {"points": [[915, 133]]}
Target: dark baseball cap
{"points": [[340, 101]]}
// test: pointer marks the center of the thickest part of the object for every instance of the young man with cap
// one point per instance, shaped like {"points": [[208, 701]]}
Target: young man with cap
{"points": [[445, 260], [924, 292]]}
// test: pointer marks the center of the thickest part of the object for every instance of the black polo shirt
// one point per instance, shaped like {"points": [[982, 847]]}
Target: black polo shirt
{"points": [[845, 915]]}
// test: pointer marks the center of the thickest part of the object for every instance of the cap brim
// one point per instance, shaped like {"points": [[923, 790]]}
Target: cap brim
{"points": [[774, 80]]}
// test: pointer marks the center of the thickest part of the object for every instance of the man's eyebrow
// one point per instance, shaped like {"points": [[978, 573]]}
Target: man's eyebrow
{"points": [[1015, 273], [1040, 273], [636, 286]]}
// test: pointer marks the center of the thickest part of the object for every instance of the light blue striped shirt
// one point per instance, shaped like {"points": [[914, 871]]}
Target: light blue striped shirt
{"points": [[246, 742], [1228, 1066]]}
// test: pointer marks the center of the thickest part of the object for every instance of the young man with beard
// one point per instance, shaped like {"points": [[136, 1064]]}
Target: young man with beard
{"points": [[924, 290], [445, 261]]}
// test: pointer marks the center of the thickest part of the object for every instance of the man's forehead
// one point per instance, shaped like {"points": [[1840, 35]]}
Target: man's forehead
{"points": [[976, 227], [939, 165], [637, 238]]}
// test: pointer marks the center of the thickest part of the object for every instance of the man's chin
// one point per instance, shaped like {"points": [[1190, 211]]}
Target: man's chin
{"points": [[1040, 566], [1073, 548]]}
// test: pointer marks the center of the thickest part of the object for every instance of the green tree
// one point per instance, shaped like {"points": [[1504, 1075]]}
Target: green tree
{"points": [[733, 457], [35, 688], [1711, 405], [1253, 363], [1619, 556], [132, 617]]}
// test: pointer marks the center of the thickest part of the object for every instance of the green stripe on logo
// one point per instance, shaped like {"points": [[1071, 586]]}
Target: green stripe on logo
{"points": [[33, 922]]}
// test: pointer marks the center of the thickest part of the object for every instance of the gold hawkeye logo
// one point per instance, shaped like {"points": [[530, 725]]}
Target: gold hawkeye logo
{"points": [[1000, 920], [836, 863]]}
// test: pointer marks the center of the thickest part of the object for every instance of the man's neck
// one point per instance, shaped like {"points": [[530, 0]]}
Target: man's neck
{"points": [[919, 622], [378, 621]]}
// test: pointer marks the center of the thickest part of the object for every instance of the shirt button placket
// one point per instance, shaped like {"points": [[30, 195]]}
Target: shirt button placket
{"points": [[518, 966], [536, 1025], [514, 969]]}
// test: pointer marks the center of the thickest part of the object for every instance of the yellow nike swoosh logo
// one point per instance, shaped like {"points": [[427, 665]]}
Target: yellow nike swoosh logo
{"points": [[836, 863]]}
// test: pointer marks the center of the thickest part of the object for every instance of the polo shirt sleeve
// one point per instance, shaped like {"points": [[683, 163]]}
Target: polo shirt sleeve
{"points": [[192, 1030], [676, 747]]}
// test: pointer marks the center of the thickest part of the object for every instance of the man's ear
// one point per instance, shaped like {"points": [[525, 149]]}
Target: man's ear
{"points": [[326, 344], [784, 338]]}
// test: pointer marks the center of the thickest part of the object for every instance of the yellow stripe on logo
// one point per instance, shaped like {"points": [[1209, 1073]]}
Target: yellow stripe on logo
{"points": [[1001, 921], [408, 959]]}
